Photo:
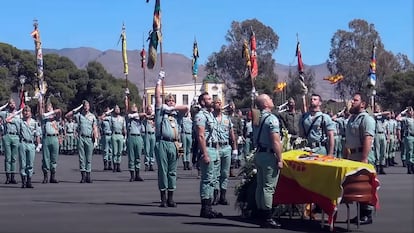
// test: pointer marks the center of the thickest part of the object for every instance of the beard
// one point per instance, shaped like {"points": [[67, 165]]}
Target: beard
{"points": [[354, 110]]}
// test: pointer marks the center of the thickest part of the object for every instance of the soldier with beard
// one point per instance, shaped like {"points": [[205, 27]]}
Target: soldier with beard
{"points": [[360, 131]]}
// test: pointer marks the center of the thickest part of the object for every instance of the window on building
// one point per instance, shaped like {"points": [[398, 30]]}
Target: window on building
{"points": [[152, 99], [214, 97], [175, 98], [185, 99]]}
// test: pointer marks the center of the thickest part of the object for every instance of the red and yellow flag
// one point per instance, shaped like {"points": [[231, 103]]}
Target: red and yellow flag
{"points": [[253, 56], [334, 79], [155, 36]]}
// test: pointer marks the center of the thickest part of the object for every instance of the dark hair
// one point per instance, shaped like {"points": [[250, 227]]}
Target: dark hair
{"points": [[364, 98], [201, 97], [320, 98]]}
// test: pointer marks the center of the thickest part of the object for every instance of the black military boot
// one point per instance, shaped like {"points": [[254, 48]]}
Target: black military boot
{"points": [[137, 176], [185, 165], [115, 167], [118, 167], [188, 165], [105, 165], [88, 178], [29, 182], [12, 179], [381, 170], [215, 197], [132, 176], [151, 168], [53, 179], [268, 222], [45, 177], [83, 174], [163, 202], [223, 200], [109, 165], [23, 181], [7, 178], [170, 200], [205, 211], [409, 169]]}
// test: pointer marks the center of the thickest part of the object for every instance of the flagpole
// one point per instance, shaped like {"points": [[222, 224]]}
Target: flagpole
{"points": [[301, 73], [39, 62], [142, 54], [122, 37]]}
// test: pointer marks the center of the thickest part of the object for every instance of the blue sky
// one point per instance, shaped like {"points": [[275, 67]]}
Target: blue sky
{"points": [[97, 23]]}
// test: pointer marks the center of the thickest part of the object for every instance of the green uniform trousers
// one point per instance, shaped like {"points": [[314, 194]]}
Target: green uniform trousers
{"points": [[135, 144], [85, 148], [409, 149], [267, 177], [166, 155], [208, 178], [380, 144], [222, 169], [27, 153], [50, 153], [117, 147], [149, 148], [11, 149], [187, 141], [106, 147]]}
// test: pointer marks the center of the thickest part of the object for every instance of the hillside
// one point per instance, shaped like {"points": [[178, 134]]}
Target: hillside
{"points": [[177, 67]]}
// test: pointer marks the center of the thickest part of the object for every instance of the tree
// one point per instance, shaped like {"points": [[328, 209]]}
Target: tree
{"points": [[229, 66], [398, 91], [350, 56]]}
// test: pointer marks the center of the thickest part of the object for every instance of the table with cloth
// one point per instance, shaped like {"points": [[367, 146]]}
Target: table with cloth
{"points": [[311, 178]]}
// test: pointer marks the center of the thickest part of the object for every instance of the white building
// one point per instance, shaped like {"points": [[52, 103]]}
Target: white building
{"points": [[185, 93]]}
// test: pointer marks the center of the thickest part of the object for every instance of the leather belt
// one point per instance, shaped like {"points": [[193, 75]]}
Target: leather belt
{"points": [[86, 136], [167, 139], [117, 133], [134, 134], [315, 144], [12, 133], [27, 141], [264, 149], [108, 134], [52, 135], [150, 133], [216, 144], [355, 150], [187, 133], [380, 132]]}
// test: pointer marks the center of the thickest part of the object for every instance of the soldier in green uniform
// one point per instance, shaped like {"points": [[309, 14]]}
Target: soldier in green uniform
{"points": [[70, 140], [226, 148], [2, 129], [208, 144], [408, 123], [318, 128], [290, 119], [149, 139], [360, 131], [106, 138], [167, 118], [50, 142], [29, 136], [88, 135], [187, 139], [380, 141], [248, 134], [391, 138], [238, 134], [10, 142], [268, 159], [118, 127], [135, 143]]}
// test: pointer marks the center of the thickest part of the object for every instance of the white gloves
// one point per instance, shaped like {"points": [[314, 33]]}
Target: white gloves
{"points": [[133, 115], [18, 112], [126, 91], [167, 108], [39, 146], [77, 109], [234, 153], [4, 106], [95, 144], [49, 113], [240, 140], [254, 93], [403, 112], [161, 76], [109, 111]]}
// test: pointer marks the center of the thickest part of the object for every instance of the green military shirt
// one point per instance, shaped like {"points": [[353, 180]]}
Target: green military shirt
{"points": [[290, 121], [117, 124], [167, 124], [268, 124], [86, 123], [380, 124], [134, 126], [357, 128], [9, 127], [106, 126], [206, 119], [408, 124], [29, 130], [224, 127], [50, 125], [315, 128]]}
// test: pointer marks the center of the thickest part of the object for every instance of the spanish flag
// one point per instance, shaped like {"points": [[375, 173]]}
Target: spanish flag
{"points": [[253, 56], [373, 67]]}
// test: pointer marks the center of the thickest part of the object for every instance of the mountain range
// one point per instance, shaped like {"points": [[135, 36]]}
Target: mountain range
{"points": [[176, 66]]}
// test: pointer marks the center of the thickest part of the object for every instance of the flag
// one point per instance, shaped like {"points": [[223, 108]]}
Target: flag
{"points": [[143, 57], [124, 49], [194, 67], [373, 67], [253, 56], [22, 98], [154, 36], [280, 87], [334, 78], [246, 54], [301, 69], [38, 50]]}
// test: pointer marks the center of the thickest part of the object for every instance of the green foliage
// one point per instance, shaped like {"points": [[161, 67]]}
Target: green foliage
{"points": [[397, 92], [67, 85]]}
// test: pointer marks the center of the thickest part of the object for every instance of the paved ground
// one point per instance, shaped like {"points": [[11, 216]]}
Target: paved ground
{"points": [[113, 204]]}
